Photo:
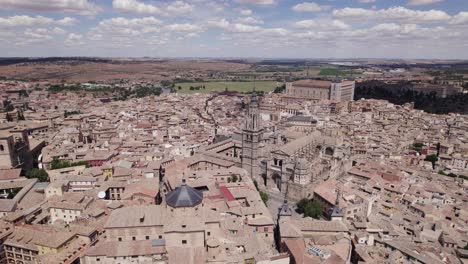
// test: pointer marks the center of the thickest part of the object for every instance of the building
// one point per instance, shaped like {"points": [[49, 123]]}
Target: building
{"points": [[252, 139], [315, 90], [14, 148], [42, 244]]}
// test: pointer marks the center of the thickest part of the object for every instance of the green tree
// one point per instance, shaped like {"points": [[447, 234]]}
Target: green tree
{"points": [[13, 192], [280, 89], [433, 159], [264, 196], [418, 147], [309, 208], [234, 178], [256, 184], [39, 174], [60, 164]]}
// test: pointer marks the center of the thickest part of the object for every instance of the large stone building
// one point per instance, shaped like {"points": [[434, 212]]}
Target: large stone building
{"points": [[291, 164], [336, 90], [15, 150]]}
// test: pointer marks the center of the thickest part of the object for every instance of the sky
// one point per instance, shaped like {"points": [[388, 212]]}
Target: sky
{"points": [[408, 29]]}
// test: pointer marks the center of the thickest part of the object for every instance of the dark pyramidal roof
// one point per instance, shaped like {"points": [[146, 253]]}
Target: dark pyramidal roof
{"points": [[184, 196], [285, 210]]}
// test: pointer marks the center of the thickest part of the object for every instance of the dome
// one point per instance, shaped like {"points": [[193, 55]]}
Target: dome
{"points": [[184, 196]]}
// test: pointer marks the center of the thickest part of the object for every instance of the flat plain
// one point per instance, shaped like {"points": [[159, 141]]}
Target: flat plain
{"points": [[240, 86]]}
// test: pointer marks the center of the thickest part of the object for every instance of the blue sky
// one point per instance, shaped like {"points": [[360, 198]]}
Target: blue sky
{"points": [[236, 28]]}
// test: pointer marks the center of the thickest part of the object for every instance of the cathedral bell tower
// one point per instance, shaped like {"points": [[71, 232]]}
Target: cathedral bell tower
{"points": [[252, 136]]}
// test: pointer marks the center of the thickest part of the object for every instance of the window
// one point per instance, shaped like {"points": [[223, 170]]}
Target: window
{"points": [[2, 148], [147, 237], [265, 229], [208, 233], [120, 239], [133, 238], [184, 242], [160, 237]]}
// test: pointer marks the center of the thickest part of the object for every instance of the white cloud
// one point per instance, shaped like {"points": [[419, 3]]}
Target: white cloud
{"points": [[133, 6], [24, 21], [74, 39], [67, 21], [186, 28], [137, 7], [423, 2], [124, 28], [246, 12], [322, 24], [367, 1], [256, 2], [37, 35], [179, 8], [58, 31], [81, 7], [73, 36], [459, 19], [310, 7], [393, 13], [249, 20], [134, 22], [233, 27]]}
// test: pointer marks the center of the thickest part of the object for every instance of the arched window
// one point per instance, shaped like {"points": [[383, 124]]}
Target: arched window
{"points": [[2, 148]]}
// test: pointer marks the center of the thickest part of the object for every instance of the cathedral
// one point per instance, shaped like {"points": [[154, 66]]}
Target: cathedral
{"points": [[292, 161]]}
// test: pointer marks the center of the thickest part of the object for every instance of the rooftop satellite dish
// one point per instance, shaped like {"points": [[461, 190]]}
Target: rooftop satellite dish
{"points": [[101, 195]]}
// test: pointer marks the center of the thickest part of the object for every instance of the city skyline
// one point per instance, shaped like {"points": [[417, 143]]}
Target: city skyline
{"points": [[432, 29]]}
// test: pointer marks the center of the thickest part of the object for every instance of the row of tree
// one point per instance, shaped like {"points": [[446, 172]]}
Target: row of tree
{"points": [[401, 93]]}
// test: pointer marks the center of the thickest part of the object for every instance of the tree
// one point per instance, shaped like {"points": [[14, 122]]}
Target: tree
{"points": [[234, 178], [13, 192], [313, 209], [256, 184], [39, 174], [8, 117], [60, 164], [309, 208], [418, 147], [433, 159], [9, 107], [280, 89], [264, 197], [20, 115]]}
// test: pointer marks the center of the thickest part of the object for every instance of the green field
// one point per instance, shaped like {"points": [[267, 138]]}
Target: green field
{"points": [[265, 86]]}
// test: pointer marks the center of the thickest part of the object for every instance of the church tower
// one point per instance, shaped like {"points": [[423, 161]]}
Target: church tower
{"points": [[252, 135]]}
